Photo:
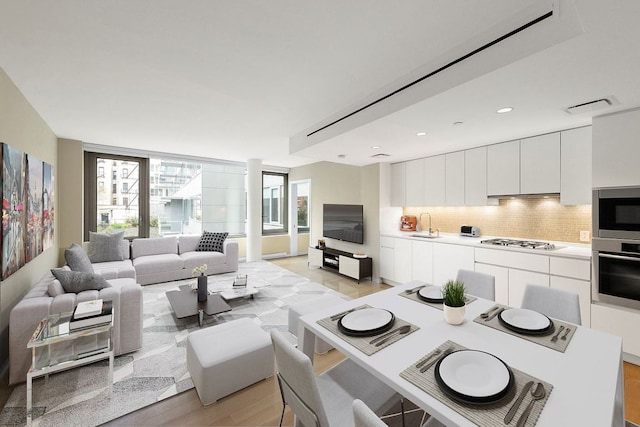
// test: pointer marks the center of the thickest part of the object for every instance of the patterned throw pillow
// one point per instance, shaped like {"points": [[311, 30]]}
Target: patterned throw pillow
{"points": [[211, 242], [104, 247]]}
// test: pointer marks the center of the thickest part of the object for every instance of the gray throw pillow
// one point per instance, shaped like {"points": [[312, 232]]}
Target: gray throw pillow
{"points": [[78, 281], [77, 259], [212, 242], [104, 247]]}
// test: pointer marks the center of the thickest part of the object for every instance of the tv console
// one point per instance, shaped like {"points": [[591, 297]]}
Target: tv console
{"points": [[342, 262]]}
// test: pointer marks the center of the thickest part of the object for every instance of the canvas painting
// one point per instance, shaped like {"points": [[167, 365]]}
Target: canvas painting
{"points": [[34, 207], [13, 210], [47, 206]]}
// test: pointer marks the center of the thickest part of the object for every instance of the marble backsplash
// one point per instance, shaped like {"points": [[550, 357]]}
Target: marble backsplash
{"points": [[527, 218]]}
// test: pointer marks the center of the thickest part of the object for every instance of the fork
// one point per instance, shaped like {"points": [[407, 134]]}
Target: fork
{"points": [[555, 337], [564, 337]]}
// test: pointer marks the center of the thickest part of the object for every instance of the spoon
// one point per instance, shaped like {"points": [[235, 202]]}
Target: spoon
{"points": [[401, 331], [537, 393], [564, 337]]}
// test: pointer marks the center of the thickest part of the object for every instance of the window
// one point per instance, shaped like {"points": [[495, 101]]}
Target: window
{"points": [[125, 187], [125, 173], [114, 188], [101, 171], [302, 207], [274, 203], [114, 175], [114, 200], [125, 202]]}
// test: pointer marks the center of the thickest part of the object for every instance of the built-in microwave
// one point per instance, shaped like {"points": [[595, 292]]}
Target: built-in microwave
{"points": [[616, 213]]}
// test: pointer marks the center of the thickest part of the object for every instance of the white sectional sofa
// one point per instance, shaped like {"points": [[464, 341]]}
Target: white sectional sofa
{"points": [[161, 259]]}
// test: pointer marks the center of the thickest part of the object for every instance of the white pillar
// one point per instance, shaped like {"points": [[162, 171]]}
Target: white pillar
{"points": [[254, 210]]}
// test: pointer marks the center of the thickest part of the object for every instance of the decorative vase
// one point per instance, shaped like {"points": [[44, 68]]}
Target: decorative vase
{"points": [[454, 315], [202, 288]]}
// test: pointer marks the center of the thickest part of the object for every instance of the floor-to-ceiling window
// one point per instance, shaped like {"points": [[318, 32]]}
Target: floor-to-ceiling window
{"points": [[274, 203]]}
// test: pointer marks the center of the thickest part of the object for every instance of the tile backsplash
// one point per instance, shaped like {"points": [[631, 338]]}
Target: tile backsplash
{"points": [[526, 218]]}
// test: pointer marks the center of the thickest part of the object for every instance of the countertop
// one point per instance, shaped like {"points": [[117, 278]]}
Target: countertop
{"points": [[563, 249]]}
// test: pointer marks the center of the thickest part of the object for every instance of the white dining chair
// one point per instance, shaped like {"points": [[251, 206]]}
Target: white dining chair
{"points": [[323, 401], [556, 303], [478, 284], [363, 416]]}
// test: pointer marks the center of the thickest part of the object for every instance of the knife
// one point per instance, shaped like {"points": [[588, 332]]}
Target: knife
{"points": [[495, 314], [344, 313], [426, 367], [516, 404]]}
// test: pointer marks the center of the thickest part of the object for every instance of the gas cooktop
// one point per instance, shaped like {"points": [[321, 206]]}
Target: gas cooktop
{"points": [[528, 244]]}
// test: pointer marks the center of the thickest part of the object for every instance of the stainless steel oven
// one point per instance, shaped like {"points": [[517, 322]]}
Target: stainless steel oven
{"points": [[616, 266], [616, 212]]}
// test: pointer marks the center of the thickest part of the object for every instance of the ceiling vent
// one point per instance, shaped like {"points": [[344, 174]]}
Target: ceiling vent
{"points": [[589, 107], [380, 155]]}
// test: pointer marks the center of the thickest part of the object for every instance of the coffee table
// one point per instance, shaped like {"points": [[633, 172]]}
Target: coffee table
{"points": [[185, 303]]}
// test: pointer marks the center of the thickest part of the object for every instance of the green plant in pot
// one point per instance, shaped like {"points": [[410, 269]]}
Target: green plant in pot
{"points": [[454, 302]]}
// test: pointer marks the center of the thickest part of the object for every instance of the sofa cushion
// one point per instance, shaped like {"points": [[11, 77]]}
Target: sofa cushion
{"points": [[196, 259], [54, 288], [104, 247], [188, 243], [212, 242], [157, 264], [154, 246], [115, 269], [78, 281], [77, 259]]}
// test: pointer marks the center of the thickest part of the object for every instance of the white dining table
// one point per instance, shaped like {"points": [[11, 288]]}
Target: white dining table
{"points": [[587, 378]]}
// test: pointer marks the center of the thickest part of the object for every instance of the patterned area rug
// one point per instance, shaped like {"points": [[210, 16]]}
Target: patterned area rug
{"points": [[79, 397]]}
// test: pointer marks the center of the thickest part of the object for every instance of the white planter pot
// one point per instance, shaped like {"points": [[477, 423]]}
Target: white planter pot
{"points": [[454, 315]]}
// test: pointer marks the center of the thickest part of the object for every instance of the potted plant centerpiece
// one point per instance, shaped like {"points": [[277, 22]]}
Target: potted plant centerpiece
{"points": [[454, 302]]}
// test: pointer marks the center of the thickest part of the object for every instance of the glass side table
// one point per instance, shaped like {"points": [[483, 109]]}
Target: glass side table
{"points": [[55, 348]]}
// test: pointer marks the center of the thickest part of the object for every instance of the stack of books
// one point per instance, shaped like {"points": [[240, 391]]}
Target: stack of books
{"points": [[91, 313], [240, 281]]}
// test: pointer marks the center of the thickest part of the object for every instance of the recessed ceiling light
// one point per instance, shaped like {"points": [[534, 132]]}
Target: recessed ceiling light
{"points": [[457, 123], [421, 134], [376, 147], [504, 110], [342, 156]]}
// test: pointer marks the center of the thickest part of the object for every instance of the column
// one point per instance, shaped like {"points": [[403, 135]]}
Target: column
{"points": [[254, 210]]}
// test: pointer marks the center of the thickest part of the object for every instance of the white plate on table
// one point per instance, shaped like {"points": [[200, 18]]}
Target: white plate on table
{"points": [[431, 294], [525, 321], [366, 321], [473, 375]]}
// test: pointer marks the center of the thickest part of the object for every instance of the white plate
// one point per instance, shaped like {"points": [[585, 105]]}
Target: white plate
{"points": [[431, 292], [474, 373], [366, 319], [525, 319]]}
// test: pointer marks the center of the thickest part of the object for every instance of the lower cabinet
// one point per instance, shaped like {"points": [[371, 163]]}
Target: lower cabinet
{"points": [[519, 279], [402, 261], [501, 275], [619, 321], [448, 259], [580, 287], [422, 261]]}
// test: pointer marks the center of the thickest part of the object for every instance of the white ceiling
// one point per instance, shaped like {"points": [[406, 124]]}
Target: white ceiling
{"points": [[241, 79]]}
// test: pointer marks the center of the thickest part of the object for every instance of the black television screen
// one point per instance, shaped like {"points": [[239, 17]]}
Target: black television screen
{"points": [[343, 222]]}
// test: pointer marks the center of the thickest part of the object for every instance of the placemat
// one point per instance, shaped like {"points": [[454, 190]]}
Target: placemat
{"points": [[545, 340], [483, 415], [364, 343], [414, 297]]}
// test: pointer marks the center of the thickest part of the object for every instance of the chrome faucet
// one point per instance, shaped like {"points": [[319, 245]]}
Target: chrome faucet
{"points": [[420, 221]]}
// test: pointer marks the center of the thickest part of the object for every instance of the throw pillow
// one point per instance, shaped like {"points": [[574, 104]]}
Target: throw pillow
{"points": [[212, 242], [104, 247], [77, 259], [78, 281]]}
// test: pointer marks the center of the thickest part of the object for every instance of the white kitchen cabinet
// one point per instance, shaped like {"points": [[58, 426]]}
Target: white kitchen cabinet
{"points": [[580, 287], [503, 168], [422, 261], [434, 181], [448, 259], [540, 164], [575, 166], [402, 261], [398, 184], [387, 249], [454, 179], [518, 281], [414, 178], [501, 275], [619, 321], [616, 150], [475, 177]]}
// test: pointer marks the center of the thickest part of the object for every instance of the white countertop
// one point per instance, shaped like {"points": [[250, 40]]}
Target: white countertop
{"points": [[564, 249]]}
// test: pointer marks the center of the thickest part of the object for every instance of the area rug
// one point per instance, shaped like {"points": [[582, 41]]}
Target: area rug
{"points": [[79, 397]]}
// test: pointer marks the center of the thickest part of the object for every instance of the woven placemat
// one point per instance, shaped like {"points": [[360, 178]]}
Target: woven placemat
{"points": [[364, 343], [545, 340], [414, 297], [483, 415]]}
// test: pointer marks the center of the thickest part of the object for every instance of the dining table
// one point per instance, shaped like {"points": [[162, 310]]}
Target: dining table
{"points": [[586, 378]]}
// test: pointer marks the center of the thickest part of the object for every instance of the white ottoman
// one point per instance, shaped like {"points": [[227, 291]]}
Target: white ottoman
{"points": [[225, 358], [302, 308]]}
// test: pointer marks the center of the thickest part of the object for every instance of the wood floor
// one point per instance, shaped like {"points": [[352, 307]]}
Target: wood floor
{"points": [[260, 404]]}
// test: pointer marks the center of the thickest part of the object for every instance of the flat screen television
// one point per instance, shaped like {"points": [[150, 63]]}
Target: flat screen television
{"points": [[343, 222]]}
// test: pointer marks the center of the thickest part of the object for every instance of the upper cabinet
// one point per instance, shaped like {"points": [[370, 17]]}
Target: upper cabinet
{"points": [[454, 179], [414, 176], [616, 150], [475, 177], [540, 164], [503, 168], [575, 174], [398, 184], [434, 181]]}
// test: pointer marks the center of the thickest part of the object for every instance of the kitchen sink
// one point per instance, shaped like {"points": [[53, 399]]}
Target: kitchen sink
{"points": [[426, 236]]}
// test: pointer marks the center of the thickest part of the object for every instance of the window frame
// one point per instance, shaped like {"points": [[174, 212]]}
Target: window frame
{"points": [[284, 204]]}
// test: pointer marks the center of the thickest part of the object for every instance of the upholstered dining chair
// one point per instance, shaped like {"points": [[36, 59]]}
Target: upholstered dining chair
{"points": [[323, 401], [478, 284], [363, 416], [556, 303]]}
